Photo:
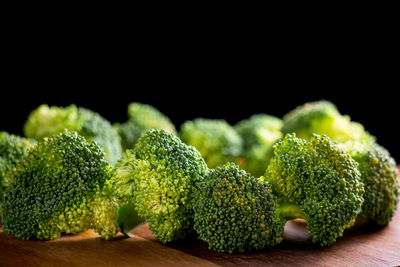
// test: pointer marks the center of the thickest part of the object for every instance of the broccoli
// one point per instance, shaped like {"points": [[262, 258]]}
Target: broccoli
{"points": [[322, 117], [12, 149], [142, 117], [317, 181], [379, 175], [61, 186], [235, 212], [158, 177], [46, 121], [259, 133], [4, 179], [216, 140], [128, 218]]}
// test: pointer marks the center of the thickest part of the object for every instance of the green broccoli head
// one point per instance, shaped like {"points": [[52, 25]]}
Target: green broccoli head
{"points": [[235, 212], [142, 117], [216, 140], [159, 176], [12, 149], [379, 175], [259, 133], [320, 179], [61, 186], [99, 130], [46, 121], [4, 178], [322, 117]]}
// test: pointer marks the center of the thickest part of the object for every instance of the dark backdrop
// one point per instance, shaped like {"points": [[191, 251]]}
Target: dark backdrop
{"points": [[229, 75], [230, 97]]}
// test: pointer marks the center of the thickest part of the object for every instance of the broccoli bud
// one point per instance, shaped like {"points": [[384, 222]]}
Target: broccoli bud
{"points": [[61, 186], [317, 181], [322, 117], [235, 212], [158, 176], [142, 118], [379, 174], [216, 140], [259, 133], [46, 121], [12, 149]]}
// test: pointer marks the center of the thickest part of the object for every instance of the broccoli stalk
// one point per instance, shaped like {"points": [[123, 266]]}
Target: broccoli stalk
{"points": [[290, 211], [128, 218]]}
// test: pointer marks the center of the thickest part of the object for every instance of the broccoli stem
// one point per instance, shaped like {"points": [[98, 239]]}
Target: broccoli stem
{"points": [[290, 211], [128, 218]]}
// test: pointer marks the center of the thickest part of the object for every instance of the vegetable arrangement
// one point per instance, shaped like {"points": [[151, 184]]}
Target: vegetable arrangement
{"points": [[233, 186]]}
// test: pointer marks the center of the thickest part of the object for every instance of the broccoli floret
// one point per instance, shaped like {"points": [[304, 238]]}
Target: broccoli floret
{"points": [[12, 149], [322, 117], [318, 179], [4, 179], [235, 212], [46, 121], [142, 118], [259, 133], [159, 176], [379, 175], [99, 130], [61, 186], [216, 140]]}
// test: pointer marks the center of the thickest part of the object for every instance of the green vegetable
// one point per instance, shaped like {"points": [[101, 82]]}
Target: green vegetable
{"points": [[46, 121], [61, 186], [216, 140], [317, 181], [142, 117], [128, 218], [259, 133], [322, 117], [159, 176], [5, 179], [380, 177], [12, 149], [235, 212]]}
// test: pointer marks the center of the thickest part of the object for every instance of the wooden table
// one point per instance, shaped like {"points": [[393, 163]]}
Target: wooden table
{"points": [[365, 246]]}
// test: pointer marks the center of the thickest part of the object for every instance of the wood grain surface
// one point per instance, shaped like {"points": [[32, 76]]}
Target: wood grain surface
{"points": [[364, 246]]}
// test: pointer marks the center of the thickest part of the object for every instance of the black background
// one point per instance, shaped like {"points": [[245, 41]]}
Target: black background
{"points": [[216, 75], [375, 108]]}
